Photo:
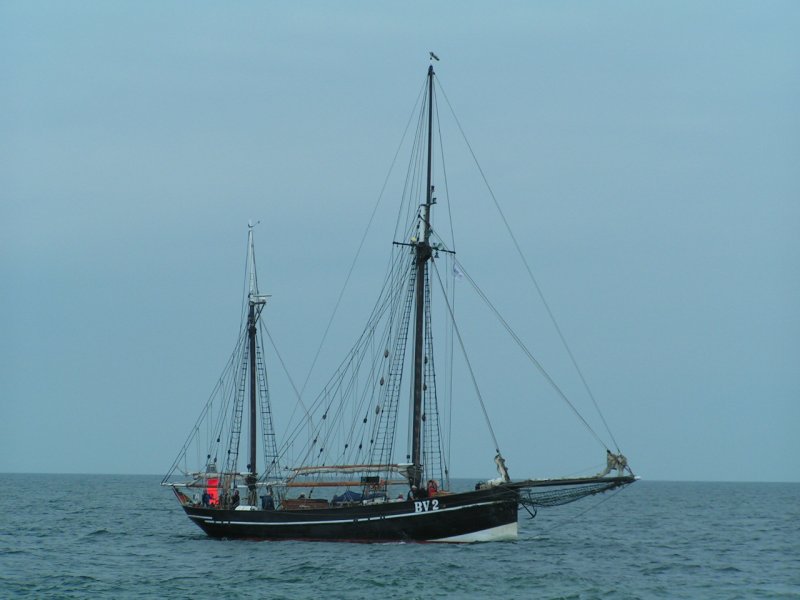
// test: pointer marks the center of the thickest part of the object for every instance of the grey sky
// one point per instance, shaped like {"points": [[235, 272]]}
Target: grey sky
{"points": [[647, 155]]}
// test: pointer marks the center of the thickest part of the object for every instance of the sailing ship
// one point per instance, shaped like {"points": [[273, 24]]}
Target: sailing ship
{"points": [[335, 474]]}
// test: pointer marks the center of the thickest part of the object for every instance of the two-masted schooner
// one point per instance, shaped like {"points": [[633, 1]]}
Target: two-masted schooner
{"points": [[336, 475]]}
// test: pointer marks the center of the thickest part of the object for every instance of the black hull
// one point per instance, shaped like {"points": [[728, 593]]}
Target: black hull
{"points": [[483, 515]]}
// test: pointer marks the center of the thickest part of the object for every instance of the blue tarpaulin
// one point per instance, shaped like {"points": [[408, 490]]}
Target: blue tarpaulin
{"points": [[348, 496]]}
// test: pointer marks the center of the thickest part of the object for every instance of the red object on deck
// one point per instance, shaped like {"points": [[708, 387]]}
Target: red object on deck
{"points": [[213, 491]]}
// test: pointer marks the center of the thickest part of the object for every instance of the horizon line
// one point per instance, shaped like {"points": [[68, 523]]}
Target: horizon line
{"points": [[471, 478]]}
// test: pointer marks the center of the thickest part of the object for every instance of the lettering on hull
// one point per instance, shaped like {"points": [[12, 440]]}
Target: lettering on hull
{"points": [[426, 505]]}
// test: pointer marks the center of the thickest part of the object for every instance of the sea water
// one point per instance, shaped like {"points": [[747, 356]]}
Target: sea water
{"points": [[79, 536]]}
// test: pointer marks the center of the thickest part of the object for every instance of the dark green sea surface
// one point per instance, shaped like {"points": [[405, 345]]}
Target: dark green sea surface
{"points": [[97, 536]]}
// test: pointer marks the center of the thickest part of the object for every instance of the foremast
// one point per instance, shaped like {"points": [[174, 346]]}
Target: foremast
{"points": [[256, 304], [422, 254]]}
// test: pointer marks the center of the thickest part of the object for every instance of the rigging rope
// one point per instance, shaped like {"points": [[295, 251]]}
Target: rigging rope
{"points": [[527, 352], [466, 359], [449, 355], [358, 251], [530, 274], [342, 382], [286, 372]]}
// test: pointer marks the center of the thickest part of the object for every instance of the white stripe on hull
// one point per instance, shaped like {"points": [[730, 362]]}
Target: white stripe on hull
{"points": [[211, 519], [493, 534]]}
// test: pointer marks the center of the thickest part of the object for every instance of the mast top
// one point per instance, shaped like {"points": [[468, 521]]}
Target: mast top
{"points": [[252, 294]]}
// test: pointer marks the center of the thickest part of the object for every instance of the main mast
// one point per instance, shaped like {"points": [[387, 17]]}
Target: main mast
{"points": [[422, 255]]}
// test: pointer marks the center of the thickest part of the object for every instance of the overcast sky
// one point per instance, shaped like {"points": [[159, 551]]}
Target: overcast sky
{"points": [[646, 154]]}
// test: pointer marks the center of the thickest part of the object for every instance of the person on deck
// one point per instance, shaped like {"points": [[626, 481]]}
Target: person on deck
{"points": [[206, 499], [412, 493], [235, 499], [433, 488]]}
